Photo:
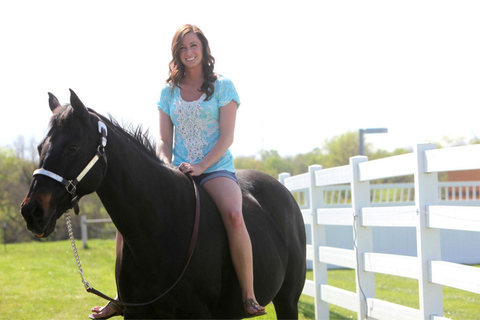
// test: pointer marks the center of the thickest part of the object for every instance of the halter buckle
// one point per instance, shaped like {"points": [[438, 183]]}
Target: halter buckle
{"points": [[102, 129], [101, 151], [71, 187]]}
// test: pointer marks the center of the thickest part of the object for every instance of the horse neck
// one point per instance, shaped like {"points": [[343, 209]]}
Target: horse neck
{"points": [[139, 192]]}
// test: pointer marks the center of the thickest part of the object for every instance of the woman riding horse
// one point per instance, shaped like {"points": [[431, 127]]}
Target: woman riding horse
{"points": [[200, 108], [153, 206]]}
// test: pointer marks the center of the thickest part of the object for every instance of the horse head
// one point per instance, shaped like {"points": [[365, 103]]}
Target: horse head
{"points": [[68, 169]]}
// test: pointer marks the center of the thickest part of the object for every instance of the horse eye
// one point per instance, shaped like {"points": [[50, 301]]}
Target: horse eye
{"points": [[72, 149], [40, 147]]}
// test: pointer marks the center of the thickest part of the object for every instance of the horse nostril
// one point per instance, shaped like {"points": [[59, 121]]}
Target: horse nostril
{"points": [[38, 212], [31, 210]]}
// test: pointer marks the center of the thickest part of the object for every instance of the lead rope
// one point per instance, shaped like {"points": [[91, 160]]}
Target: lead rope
{"points": [[74, 249], [79, 264]]}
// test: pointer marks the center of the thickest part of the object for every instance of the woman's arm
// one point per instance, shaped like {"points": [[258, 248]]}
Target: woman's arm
{"points": [[165, 144]]}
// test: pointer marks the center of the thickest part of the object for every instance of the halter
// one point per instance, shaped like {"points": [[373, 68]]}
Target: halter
{"points": [[71, 185]]}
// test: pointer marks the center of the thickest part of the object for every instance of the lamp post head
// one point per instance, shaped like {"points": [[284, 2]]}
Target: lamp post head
{"points": [[361, 132], [375, 130]]}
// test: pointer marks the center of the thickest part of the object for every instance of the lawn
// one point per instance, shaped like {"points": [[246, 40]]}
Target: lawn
{"points": [[41, 281]]}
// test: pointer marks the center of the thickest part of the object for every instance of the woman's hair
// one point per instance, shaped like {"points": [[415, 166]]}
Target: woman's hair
{"points": [[177, 69]]}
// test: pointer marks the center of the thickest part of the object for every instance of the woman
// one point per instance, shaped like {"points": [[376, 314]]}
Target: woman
{"points": [[197, 111]]}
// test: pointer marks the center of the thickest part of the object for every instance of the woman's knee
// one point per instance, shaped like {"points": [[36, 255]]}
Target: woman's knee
{"points": [[233, 219]]}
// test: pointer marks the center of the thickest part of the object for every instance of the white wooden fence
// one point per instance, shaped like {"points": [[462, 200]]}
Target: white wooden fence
{"points": [[427, 213]]}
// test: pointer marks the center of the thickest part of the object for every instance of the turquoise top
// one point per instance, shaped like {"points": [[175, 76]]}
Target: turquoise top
{"points": [[197, 123]]}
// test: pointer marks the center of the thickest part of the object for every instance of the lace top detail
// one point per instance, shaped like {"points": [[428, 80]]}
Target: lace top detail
{"points": [[196, 123], [190, 128]]}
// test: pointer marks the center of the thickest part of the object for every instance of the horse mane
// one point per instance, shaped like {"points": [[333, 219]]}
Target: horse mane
{"points": [[137, 136]]}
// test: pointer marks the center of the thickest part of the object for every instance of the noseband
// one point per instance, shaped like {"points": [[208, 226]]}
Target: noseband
{"points": [[71, 185]]}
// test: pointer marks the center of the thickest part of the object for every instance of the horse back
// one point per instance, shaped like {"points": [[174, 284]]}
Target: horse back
{"points": [[271, 200]]}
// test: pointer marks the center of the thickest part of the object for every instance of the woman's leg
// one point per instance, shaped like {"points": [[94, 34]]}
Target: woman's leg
{"points": [[228, 197], [108, 309]]}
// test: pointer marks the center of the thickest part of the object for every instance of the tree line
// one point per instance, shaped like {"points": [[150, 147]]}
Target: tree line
{"points": [[18, 162], [334, 152]]}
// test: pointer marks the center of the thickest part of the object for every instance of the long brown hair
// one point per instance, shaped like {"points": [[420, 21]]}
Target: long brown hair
{"points": [[177, 69]]}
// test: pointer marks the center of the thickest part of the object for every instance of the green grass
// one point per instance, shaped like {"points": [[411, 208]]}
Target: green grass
{"points": [[457, 304], [41, 281]]}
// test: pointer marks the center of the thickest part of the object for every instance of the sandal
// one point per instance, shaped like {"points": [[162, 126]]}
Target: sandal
{"points": [[250, 303], [115, 305]]}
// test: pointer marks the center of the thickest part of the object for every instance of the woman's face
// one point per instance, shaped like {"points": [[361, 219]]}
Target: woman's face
{"points": [[191, 51]]}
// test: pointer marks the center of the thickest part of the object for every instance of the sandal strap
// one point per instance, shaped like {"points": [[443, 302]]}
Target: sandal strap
{"points": [[247, 302], [251, 303], [116, 306]]}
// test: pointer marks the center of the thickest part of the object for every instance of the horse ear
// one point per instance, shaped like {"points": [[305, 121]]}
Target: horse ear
{"points": [[79, 109], [53, 102]]}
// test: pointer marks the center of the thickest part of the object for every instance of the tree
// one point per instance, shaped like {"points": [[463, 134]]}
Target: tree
{"points": [[339, 149], [16, 168], [11, 194]]}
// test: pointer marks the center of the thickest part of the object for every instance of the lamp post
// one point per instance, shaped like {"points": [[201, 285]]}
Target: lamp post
{"points": [[361, 141]]}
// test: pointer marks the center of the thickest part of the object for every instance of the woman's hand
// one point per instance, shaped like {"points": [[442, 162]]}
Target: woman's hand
{"points": [[193, 169]]}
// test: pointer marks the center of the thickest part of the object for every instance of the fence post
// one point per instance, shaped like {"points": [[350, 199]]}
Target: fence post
{"points": [[282, 176], [362, 237], [83, 224], [318, 239], [5, 235], [428, 240]]}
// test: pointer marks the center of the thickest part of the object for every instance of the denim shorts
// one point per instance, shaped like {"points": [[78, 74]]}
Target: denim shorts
{"points": [[204, 177]]}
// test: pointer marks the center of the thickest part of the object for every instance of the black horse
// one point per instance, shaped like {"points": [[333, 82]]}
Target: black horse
{"points": [[153, 207]]}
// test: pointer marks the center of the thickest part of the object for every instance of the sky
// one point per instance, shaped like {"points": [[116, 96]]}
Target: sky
{"points": [[305, 71]]}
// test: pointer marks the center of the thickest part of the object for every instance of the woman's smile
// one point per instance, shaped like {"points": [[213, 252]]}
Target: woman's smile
{"points": [[191, 50]]}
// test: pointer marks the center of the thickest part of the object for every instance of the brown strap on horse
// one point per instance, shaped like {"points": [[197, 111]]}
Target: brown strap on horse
{"points": [[191, 249]]}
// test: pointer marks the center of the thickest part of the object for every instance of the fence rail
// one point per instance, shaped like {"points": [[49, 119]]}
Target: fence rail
{"points": [[391, 193], [84, 222], [427, 207]]}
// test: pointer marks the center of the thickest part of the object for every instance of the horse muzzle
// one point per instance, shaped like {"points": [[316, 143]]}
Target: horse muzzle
{"points": [[37, 215]]}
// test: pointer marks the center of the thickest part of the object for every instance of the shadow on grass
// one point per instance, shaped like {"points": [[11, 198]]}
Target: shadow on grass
{"points": [[307, 309], [334, 315]]}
